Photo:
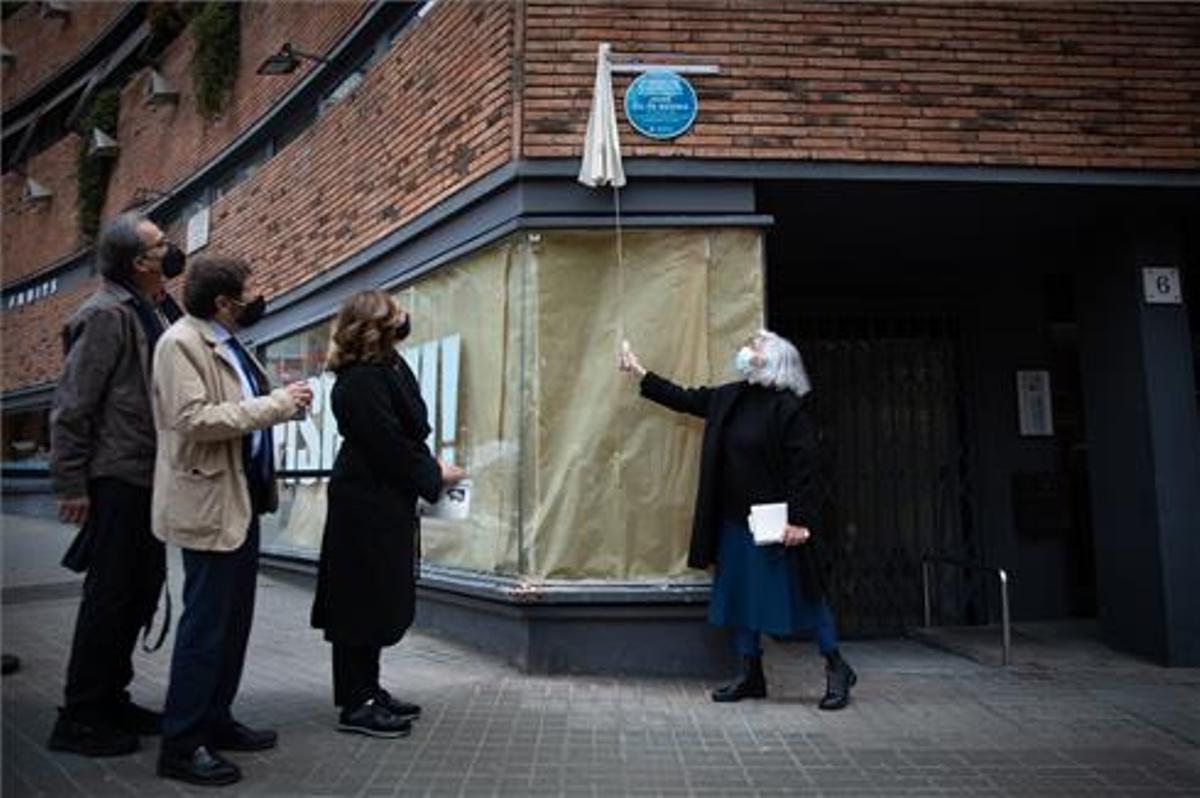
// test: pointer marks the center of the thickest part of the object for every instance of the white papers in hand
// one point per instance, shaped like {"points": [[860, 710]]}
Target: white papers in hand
{"points": [[767, 522], [453, 505]]}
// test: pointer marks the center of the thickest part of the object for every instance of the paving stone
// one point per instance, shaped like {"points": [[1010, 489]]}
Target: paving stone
{"points": [[923, 722]]}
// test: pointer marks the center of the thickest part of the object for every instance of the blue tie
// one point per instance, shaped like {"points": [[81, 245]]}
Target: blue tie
{"points": [[262, 465]]}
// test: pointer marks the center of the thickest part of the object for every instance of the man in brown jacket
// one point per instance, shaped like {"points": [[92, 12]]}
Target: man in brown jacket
{"points": [[214, 474], [102, 445]]}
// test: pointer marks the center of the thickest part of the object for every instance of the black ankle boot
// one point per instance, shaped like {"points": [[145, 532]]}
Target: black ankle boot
{"points": [[839, 678], [751, 684]]}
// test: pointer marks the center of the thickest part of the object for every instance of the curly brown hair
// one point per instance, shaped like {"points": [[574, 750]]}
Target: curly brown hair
{"points": [[364, 330]]}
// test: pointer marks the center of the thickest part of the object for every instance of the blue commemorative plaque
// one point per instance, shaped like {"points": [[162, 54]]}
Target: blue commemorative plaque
{"points": [[660, 104]]}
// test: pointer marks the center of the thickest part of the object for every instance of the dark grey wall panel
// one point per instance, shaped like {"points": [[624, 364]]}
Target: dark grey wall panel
{"points": [[1144, 446]]}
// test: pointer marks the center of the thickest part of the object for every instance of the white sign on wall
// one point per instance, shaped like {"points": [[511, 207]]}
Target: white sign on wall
{"points": [[1160, 286], [197, 230], [1034, 409]]}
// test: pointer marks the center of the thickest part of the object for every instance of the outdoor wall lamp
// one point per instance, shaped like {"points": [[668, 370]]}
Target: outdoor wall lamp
{"points": [[159, 91], [102, 145], [35, 193], [286, 60]]}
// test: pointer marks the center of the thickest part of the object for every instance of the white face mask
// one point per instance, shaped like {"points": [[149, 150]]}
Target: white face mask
{"points": [[743, 362]]}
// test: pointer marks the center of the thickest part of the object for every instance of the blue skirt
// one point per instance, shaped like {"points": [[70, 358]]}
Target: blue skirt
{"points": [[758, 587]]}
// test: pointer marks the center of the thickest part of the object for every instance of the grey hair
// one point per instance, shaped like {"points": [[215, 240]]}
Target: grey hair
{"points": [[119, 244], [784, 368]]}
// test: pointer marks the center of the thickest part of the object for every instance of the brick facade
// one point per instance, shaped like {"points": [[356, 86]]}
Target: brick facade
{"points": [[1049, 84], [44, 45], [429, 119], [38, 234], [163, 145], [1033, 84], [31, 338]]}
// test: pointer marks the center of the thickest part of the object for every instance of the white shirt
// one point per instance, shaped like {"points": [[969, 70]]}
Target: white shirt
{"points": [[223, 338]]}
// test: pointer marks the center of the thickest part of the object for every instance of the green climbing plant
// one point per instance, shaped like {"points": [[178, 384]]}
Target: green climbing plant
{"points": [[166, 21], [92, 174], [217, 31]]}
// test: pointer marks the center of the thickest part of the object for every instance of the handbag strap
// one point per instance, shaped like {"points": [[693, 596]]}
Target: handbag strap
{"points": [[166, 626]]}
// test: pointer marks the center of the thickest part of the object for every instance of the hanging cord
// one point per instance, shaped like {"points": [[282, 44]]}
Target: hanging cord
{"points": [[620, 271], [620, 336]]}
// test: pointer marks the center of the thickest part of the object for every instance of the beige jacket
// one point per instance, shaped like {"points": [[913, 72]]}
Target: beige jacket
{"points": [[201, 499]]}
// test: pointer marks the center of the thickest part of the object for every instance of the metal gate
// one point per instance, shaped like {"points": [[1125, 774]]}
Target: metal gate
{"points": [[890, 403]]}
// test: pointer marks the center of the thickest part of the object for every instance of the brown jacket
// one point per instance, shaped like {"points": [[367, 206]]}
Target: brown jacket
{"points": [[201, 498], [100, 424]]}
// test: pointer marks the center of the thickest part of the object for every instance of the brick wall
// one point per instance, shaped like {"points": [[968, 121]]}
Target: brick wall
{"points": [[1096, 84], [1091, 85], [31, 338], [44, 45], [161, 146], [430, 118], [37, 234]]}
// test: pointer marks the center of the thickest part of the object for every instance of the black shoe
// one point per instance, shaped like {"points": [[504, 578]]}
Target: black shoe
{"points": [[839, 678], [201, 766], [135, 719], [751, 684], [238, 737], [90, 738], [401, 709], [375, 720]]}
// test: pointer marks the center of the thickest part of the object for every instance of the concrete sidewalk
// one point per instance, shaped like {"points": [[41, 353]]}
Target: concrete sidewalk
{"points": [[923, 722]]}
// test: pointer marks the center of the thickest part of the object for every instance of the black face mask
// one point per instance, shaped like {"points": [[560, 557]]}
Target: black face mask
{"points": [[251, 311], [173, 261], [404, 328]]}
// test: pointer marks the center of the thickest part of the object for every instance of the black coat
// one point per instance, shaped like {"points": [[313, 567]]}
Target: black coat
{"points": [[366, 582], [791, 471]]}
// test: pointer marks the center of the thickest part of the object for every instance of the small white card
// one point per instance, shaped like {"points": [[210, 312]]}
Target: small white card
{"points": [[453, 505], [767, 522]]}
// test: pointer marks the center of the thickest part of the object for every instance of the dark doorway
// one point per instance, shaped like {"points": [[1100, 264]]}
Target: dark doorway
{"points": [[1071, 509], [893, 422], [893, 292]]}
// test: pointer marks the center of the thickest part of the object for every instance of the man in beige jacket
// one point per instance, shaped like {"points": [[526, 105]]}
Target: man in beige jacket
{"points": [[213, 476]]}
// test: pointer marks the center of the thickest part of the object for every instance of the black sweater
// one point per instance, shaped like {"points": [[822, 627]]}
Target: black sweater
{"points": [[786, 472]]}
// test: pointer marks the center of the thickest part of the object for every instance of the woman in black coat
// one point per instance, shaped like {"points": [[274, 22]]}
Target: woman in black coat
{"points": [[366, 582], [759, 448]]}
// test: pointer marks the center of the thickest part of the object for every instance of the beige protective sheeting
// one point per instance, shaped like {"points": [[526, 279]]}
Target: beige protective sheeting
{"points": [[470, 299], [575, 476], [614, 475]]}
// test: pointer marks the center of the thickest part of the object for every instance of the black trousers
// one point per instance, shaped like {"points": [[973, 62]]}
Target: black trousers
{"points": [[210, 642], [120, 593], [355, 674]]}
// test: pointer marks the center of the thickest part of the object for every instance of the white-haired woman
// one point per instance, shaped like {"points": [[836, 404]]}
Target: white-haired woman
{"points": [[759, 448]]}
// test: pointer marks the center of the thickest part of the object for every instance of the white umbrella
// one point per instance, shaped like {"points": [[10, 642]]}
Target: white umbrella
{"points": [[601, 149], [601, 164]]}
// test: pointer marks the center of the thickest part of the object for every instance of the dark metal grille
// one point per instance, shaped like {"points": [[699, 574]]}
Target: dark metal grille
{"points": [[888, 395]]}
